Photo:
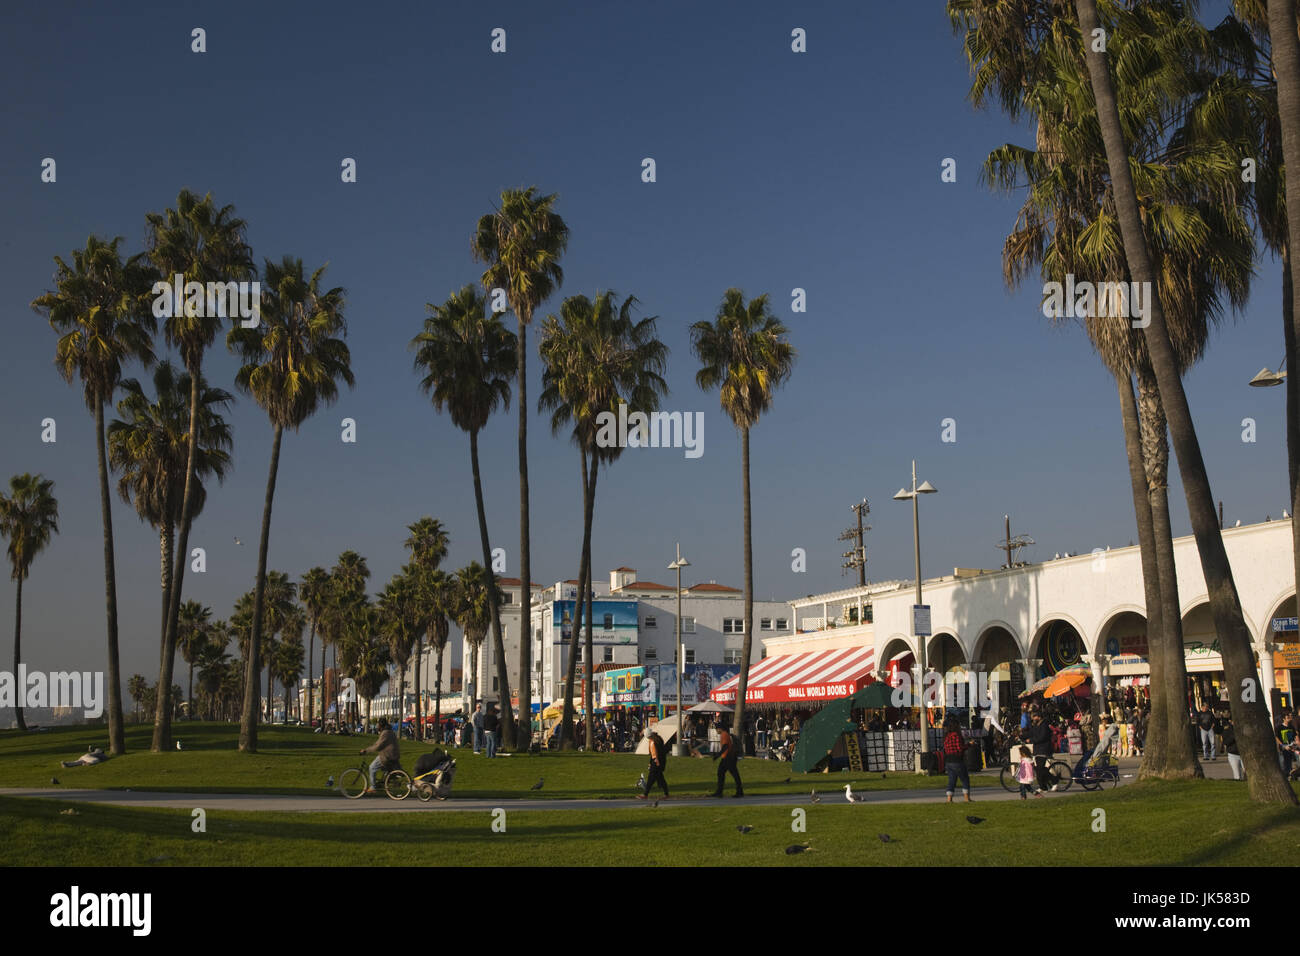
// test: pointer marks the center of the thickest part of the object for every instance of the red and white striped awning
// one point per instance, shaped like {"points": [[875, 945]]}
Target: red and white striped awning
{"points": [[813, 675]]}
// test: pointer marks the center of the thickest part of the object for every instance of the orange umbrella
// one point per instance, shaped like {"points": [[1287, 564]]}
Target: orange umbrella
{"points": [[1066, 681]]}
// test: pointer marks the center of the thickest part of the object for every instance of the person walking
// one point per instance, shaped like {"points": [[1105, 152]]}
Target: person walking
{"points": [[760, 727], [1040, 736], [477, 721], [490, 722], [954, 758], [658, 764], [1205, 725], [1230, 749], [727, 755]]}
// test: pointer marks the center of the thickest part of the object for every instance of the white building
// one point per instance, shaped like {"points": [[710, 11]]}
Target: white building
{"points": [[1016, 624]]}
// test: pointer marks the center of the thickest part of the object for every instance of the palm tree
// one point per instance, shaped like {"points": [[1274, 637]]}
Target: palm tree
{"points": [[149, 447], [744, 354], [427, 544], [1203, 249], [467, 358], [192, 637], [99, 310], [314, 592], [213, 662], [473, 613], [522, 242], [401, 624], [288, 664], [596, 357], [202, 243], [29, 514], [438, 593], [347, 601], [293, 362], [282, 619], [1264, 776], [136, 686]]}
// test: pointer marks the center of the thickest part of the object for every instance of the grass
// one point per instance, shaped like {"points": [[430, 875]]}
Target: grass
{"points": [[1201, 823], [292, 760]]}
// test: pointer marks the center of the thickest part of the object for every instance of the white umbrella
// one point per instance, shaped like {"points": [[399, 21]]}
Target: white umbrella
{"points": [[710, 707]]}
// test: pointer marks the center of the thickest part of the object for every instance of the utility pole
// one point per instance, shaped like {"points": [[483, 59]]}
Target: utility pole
{"points": [[1011, 545], [857, 558]]}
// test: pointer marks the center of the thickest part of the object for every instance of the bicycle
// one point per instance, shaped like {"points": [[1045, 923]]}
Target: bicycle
{"points": [[356, 781], [1102, 773], [1058, 771]]}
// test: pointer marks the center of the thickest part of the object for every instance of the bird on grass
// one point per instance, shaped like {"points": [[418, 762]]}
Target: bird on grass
{"points": [[848, 794], [884, 837], [786, 780], [178, 745], [797, 848], [54, 781], [815, 798], [974, 820], [538, 784], [744, 828], [330, 782]]}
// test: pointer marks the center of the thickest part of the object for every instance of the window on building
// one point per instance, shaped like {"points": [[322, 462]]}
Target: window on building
{"points": [[578, 655], [609, 653], [651, 622], [507, 597], [651, 654], [495, 684], [609, 622], [731, 655], [733, 625], [689, 653], [688, 625], [782, 624], [765, 623]]}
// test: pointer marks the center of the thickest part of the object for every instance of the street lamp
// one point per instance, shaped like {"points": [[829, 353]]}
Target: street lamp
{"points": [[1267, 377], [925, 488], [680, 750]]}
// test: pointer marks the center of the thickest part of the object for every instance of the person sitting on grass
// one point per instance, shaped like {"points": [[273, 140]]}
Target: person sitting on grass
{"points": [[389, 755]]}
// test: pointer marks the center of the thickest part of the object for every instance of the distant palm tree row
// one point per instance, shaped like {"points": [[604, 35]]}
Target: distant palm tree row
{"points": [[168, 446], [1158, 140]]}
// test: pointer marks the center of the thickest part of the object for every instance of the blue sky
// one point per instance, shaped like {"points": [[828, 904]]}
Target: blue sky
{"points": [[775, 170]]}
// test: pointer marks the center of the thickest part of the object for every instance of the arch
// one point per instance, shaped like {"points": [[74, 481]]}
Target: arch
{"points": [[1278, 608], [1059, 642], [1204, 602], [1110, 619], [941, 644], [987, 632]]}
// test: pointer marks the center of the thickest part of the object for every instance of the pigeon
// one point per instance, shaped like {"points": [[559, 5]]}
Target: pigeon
{"points": [[884, 837], [640, 782], [815, 798], [330, 782], [744, 829], [796, 848], [538, 784], [54, 781], [974, 820], [848, 794], [787, 780]]}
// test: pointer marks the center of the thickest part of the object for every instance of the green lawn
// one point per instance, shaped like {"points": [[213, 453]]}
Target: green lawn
{"points": [[292, 760], [1203, 823]]}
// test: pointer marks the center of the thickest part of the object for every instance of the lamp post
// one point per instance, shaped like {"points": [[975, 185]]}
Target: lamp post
{"points": [[925, 488], [1264, 379], [680, 750]]}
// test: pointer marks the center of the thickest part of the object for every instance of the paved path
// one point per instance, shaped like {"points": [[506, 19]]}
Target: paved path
{"points": [[334, 803]]}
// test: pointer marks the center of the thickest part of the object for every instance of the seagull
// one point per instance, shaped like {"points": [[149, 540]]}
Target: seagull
{"points": [[796, 848], [178, 745], [744, 829], [815, 798], [848, 794], [538, 784], [884, 837], [640, 782], [974, 820]]}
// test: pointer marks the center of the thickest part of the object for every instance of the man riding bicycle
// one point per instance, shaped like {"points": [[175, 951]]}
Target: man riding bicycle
{"points": [[389, 757]]}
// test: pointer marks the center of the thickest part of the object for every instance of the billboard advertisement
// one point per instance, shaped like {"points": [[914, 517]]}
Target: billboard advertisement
{"points": [[612, 622], [701, 679]]}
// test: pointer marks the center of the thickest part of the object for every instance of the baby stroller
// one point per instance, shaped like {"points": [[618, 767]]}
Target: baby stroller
{"points": [[434, 774], [1093, 773]]}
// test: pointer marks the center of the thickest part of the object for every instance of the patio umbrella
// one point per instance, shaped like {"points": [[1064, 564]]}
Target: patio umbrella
{"points": [[1064, 681], [710, 707], [1039, 686], [880, 694]]}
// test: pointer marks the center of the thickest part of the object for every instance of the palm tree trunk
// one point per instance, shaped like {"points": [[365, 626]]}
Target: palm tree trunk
{"points": [[162, 725], [190, 695], [587, 589], [311, 702], [738, 720], [18, 654], [401, 697], [437, 700], [166, 537], [473, 698], [498, 644], [571, 669], [1153, 755], [116, 732], [525, 558], [1254, 732], [248, 725], [1180, 761], [1290, 334], [419, 703], [338, 713], [270, 673]]}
